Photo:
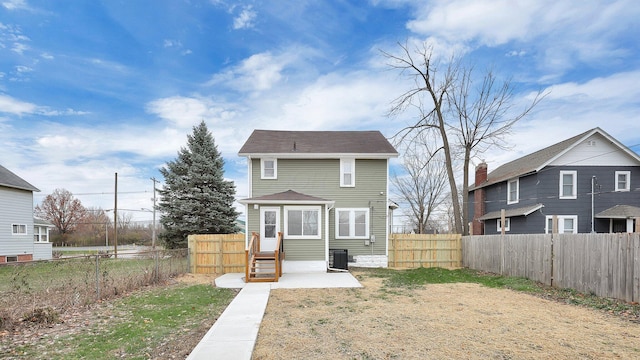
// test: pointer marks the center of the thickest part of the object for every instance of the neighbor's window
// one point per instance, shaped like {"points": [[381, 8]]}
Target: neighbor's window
{"points": [[18, 229], [302, 222], [269, 168], [567, 224], [352, 223], [623, 180], [568, 184], [347, 172], [513, 191], [40, 234], [507, 224]]}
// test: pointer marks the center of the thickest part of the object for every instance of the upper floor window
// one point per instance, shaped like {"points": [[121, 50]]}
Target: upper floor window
{"points": [[347, 172], [568, 184], [513, 191], [352, 223], [18, 229], [302, 222], [623, 180], [269, 168]]}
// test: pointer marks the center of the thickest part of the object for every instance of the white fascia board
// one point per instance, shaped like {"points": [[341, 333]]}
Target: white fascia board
{"points": [[288, 202], [320, 155]]}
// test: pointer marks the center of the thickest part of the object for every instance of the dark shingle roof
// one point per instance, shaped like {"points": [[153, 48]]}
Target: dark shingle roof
{"points": [[620, 212], [317, 142], [536, 161], [9, 179]]}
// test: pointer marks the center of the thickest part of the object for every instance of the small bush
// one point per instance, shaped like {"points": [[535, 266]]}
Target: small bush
{"points": [[45, 316], [56, 254]]}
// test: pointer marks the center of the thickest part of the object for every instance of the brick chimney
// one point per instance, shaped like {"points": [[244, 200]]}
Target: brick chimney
{"points": [[477, 227]]}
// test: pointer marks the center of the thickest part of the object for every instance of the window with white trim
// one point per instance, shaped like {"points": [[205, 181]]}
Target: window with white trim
{"points": [[567, 224], [507, 224], [623, 180], [568, 184], [347, 172], [18, 229], [352, 223], [268, 168], [513, 191], [302, 222], [41, 234]]}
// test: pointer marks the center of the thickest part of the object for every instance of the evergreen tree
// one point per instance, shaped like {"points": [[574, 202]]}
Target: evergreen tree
{"points": [[196, 198]]}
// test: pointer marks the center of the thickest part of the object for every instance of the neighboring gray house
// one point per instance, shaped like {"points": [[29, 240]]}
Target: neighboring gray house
{"points": [[21, 239], [589, 182], [324, 190]]}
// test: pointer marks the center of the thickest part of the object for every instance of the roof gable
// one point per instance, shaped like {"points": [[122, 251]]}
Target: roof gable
{"points": [[306, 143], [11, 180], [557, 154]]}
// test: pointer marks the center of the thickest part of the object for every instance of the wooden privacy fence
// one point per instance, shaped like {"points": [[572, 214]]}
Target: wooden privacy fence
{"points": [[216, 253], [607, 265], [425, 250]]}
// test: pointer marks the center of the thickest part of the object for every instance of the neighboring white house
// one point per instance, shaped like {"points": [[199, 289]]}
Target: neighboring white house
{"points": [[21, 238]]}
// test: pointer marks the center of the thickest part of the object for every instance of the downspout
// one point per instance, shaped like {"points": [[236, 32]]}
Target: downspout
{"points": [[328, 208]]}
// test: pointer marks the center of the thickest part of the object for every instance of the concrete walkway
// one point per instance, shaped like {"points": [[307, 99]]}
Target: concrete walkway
{"points": [[234, 334]]}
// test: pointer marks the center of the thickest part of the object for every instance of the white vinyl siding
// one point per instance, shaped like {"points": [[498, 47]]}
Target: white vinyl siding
{"points": [[268, 168], [568, 184], [513, 191], [347, 172], [352, 223], [567, 224], [302, 222], [623, 180]]}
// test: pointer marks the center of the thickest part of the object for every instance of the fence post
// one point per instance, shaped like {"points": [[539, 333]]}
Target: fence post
{"points": [[97, 276], [193, 244], [220, 257], [157, 270]]}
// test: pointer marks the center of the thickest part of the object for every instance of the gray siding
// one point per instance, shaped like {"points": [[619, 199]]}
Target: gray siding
{"points": [[321, 178], [543, 187], [16, 207], [42, 251]]}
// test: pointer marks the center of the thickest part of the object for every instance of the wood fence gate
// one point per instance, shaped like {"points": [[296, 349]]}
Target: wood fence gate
{"points": [[216, 253]]}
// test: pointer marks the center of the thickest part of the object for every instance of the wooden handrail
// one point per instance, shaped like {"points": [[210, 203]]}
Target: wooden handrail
{"points": [[278, 256], [249, 253]]}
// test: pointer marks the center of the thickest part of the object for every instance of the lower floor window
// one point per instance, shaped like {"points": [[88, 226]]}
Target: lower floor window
{"points": [[302, 222], [507, 224], [352, 223], [567, 224]]}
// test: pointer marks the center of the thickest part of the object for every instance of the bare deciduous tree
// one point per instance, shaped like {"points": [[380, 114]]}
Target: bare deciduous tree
{"points": [[63, 210], [467, 119], [423, 186]]}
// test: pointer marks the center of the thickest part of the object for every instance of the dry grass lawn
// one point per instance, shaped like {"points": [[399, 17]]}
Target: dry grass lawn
{"points": [[448, 321]]}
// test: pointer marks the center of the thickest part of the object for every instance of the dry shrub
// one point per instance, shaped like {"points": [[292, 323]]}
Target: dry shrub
{"points": [[42, 316]]}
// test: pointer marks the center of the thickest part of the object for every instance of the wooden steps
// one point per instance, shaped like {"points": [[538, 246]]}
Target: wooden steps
{"points": [[263, 266]]}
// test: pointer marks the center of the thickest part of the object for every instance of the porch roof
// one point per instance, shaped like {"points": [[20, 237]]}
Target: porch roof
{"points": [[619, 212], [287, 197], [521, 211]]}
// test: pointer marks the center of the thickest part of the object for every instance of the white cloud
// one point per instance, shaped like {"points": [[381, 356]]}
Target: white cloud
{"points": [[246, 18], [16, 107], [257, 73], [15, 5], [184, 112]]}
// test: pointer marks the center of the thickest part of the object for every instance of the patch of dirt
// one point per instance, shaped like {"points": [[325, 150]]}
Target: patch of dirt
{"points": [[448, 321]]}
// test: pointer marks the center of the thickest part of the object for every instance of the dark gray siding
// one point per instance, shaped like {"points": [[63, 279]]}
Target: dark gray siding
{"points": [[543, 188]]}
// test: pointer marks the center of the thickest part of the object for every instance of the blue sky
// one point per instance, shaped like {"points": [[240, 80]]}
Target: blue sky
{"points": [[90, 88]]}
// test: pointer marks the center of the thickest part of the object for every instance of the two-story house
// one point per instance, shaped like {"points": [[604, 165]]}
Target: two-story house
{"points": [[21, 237], [324, 190], [587, 183]]}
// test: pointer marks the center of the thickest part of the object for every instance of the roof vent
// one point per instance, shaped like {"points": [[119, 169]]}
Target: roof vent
{"points": [[295, 148], [591, 143]]}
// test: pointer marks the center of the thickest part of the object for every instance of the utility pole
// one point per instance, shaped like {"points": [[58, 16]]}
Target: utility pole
{"points": [[153, 229], [115, 219]]}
